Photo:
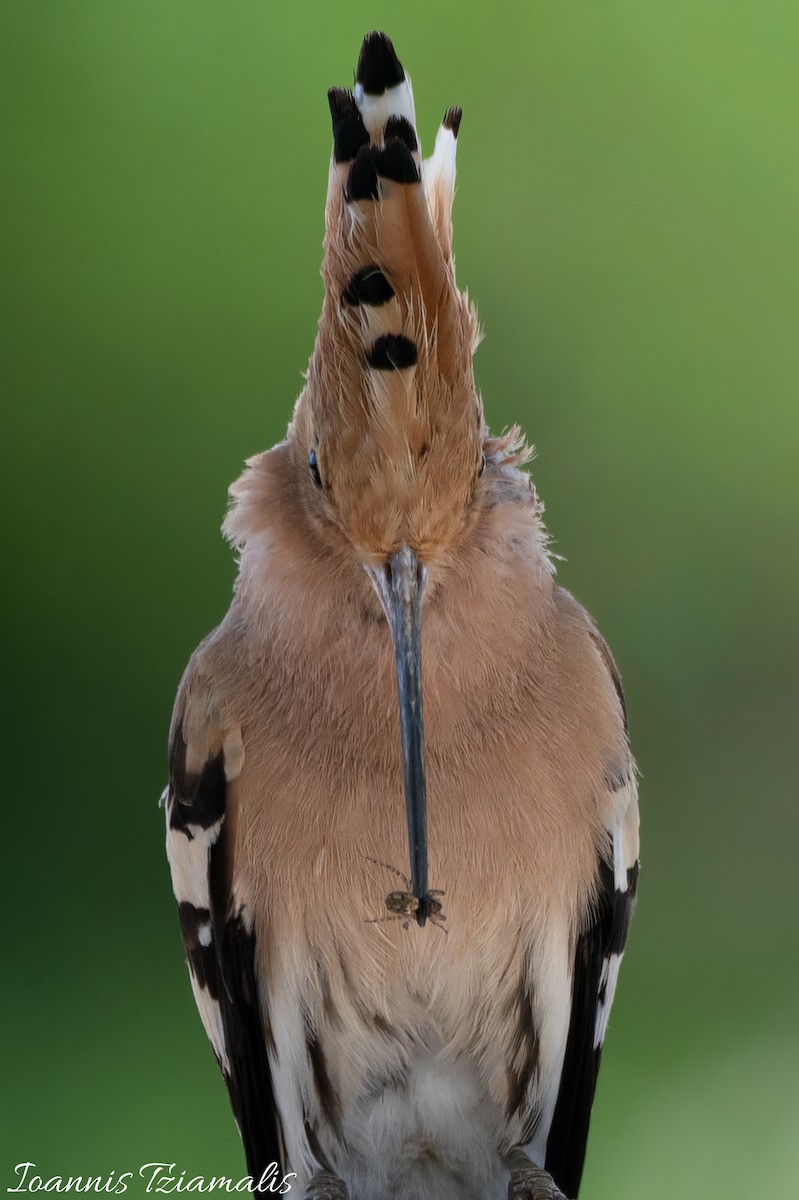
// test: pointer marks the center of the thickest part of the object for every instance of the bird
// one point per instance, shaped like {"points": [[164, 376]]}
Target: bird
{"points": [[402, 812]]}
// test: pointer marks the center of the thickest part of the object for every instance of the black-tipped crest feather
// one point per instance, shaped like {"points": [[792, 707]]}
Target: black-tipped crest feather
{"points": [[362, 182], [378, 66], [452, 120], [396, 162], [400, 127], [349, 131]]}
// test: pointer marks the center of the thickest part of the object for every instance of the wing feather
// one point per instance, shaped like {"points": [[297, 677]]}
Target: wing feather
{"points": [[597, 958], [219, 939]]}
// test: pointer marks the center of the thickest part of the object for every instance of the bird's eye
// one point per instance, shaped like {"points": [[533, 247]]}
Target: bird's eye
{"points": [[314, 468]]}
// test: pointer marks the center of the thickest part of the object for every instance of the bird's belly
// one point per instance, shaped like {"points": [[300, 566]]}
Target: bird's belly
{"points": [[409, 1060], [430, 1133], [395, 1105]]}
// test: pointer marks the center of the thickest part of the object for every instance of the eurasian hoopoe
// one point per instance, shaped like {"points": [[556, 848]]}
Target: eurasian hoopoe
{"points": [[380, 1036]]}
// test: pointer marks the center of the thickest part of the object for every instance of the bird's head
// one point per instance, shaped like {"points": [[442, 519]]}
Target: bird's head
{"points": [[394, 470]]}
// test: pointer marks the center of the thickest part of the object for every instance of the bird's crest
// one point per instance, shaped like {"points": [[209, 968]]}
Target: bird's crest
{"points": [[390, 384]]}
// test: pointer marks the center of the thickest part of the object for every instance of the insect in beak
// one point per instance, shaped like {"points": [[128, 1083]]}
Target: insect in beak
{"points": [[400, 585]]}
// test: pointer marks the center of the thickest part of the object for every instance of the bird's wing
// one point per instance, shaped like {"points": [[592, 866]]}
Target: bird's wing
{"points": [[201, 802], [597, 957]]}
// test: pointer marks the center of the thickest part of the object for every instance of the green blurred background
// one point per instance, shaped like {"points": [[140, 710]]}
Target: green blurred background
{"points": [[627, 221]]}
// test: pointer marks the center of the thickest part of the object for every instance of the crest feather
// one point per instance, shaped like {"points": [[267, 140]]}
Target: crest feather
{"points": [[396, 336]]}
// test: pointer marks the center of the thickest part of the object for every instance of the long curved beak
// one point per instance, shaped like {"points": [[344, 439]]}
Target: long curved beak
{"points": [[400, 585]]}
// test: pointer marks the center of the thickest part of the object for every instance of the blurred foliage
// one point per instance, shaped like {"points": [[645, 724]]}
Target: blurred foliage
{"points": [[626, 218]]}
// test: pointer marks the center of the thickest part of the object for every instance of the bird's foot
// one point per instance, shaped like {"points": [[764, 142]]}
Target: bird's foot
{"points": [[326, 1186], [530, 1182]]}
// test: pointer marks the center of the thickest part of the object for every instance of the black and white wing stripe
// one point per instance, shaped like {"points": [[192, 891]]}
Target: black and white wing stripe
{"points": [[597, 959], [218, 936]]}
